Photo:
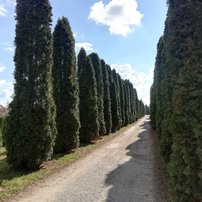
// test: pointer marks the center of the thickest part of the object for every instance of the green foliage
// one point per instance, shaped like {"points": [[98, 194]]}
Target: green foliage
{"points": [[131, 111], [126, 100], [135, 102], [88, 102], [141, 111], [117, 87], [2, 129], [106, 99], [147, 110], [81, 61], [66, 92], [128, 103], [100, 91], [31, 130], [161, 107], [176, 98], [116, 117], [122, 99], [153, 106]]}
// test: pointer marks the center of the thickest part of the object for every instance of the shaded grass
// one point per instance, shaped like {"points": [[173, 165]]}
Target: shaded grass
{"points": [[12, 181]]}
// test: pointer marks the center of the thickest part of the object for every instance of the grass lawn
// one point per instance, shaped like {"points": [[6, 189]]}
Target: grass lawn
{"points": [[11, 181]]}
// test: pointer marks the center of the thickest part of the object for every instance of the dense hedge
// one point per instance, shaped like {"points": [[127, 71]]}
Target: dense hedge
{"points": [[53, 95], [176, 98], [103, 92]]}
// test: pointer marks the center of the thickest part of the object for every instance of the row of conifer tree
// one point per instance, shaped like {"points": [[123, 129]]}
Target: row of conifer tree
{"points": [[176, 98], [60, 101]]}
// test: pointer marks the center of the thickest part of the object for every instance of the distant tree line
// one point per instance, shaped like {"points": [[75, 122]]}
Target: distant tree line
{"points": [[59, 100], [176, 98]]}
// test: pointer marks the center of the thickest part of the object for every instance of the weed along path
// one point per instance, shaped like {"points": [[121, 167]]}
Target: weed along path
{"points": [[123, 170]]}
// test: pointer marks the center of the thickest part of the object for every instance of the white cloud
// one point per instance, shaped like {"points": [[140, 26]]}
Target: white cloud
{"points": [[8, 2], [3, 10], [142, 81], [5, 6], [6, 91], [87, 46], [75, 35], [2, 68], [119, 15], [13, 2], [9, 49]]}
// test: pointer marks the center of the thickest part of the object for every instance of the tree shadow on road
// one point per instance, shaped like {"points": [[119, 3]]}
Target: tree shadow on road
{"points": [[133, 180]]}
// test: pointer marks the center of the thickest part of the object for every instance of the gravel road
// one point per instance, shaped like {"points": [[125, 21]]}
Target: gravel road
{"points": [[120, 171]]}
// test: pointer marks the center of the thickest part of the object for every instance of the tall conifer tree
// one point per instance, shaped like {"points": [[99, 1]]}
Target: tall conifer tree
{"points": [[116, 81], [136, 103], [132, 102], [106, 99], [88, 100], [114, 102], [122, 100], [81, 61], [65, 87], [128, 106], [31, 126], [100, 91]]}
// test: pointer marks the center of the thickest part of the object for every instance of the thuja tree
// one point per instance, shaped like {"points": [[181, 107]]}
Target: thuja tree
{"points": [[114, 102], [147, 110], [106, 99], [132, 96], [31, 129], [153, 106], [128, 102], [122, 99], [100, 91], [163, 106], [141, 109], [184, 42], [158, 77], [65, 87], [126, 118], [117, 86], [135, 103], [176, 98], [88, 101], [81, 61]]}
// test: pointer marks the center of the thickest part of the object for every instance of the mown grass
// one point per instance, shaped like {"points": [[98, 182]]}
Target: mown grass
{"points": [[12, 181]]}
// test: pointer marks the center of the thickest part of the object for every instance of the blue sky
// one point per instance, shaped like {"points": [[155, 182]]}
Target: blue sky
{"points": [[123, 32]]}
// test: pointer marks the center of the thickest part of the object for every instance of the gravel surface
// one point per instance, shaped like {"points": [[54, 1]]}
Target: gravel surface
{"points": [[120, 171]]}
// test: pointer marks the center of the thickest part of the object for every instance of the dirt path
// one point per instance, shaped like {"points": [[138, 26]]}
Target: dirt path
{"points": [[120, 171]]}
